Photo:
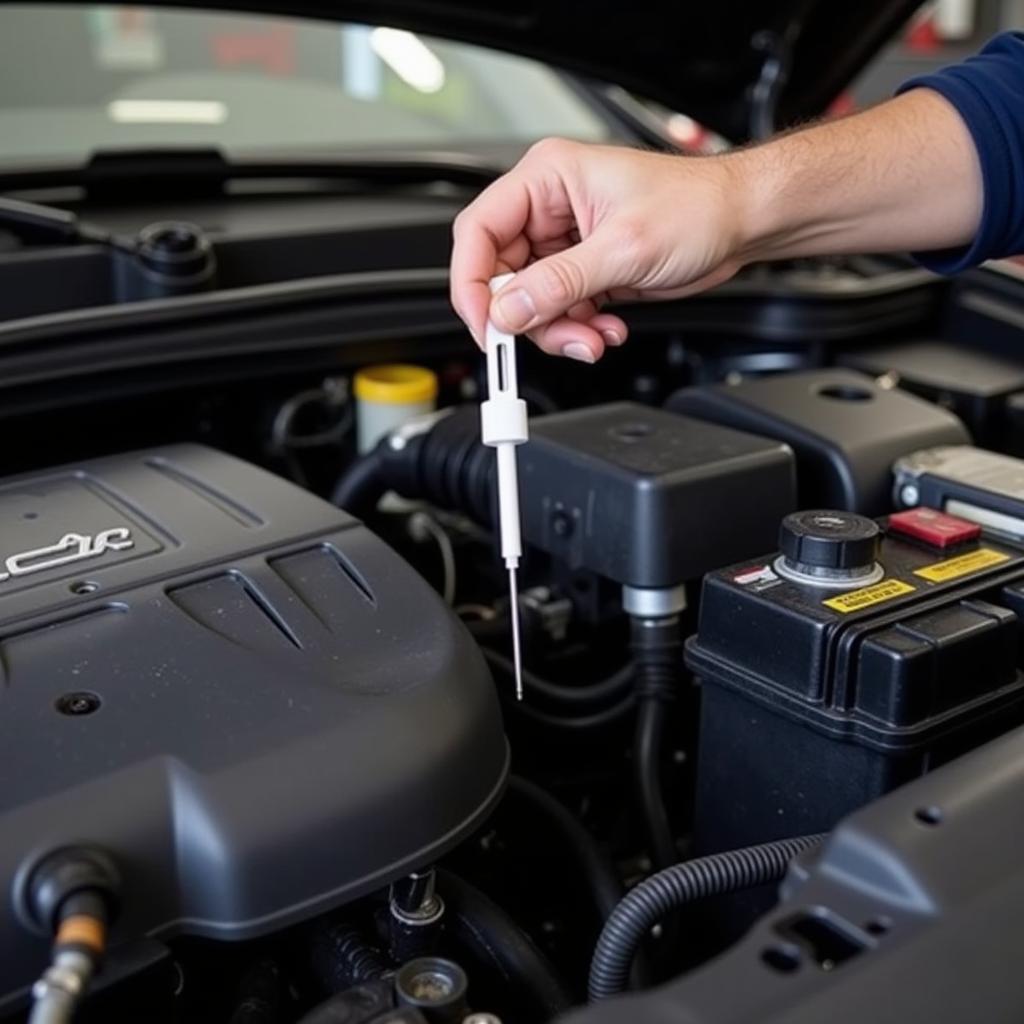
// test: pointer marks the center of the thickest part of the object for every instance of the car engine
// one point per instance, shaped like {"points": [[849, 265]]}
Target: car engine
{"points": [[220, 654], [264, 760]]}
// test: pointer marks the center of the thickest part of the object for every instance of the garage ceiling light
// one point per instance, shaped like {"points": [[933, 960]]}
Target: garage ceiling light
{"points": [[167, 111], [409, 57]]}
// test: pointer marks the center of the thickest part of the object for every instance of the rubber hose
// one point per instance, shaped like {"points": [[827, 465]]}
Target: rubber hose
{"points": [[450, 467], [481, 925], [616, 685], [675, 887], [652, 714], [657, 647], [598, 872], [361, 486], [578, 723]]}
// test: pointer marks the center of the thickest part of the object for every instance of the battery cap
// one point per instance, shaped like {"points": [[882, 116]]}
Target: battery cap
{"points": [[824, 539]]}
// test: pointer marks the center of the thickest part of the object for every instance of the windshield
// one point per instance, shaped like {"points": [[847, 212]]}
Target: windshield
{"points": [[74, 80]]}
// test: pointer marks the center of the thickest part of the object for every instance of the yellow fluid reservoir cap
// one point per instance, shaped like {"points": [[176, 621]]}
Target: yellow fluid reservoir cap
{"points": [[396, 383]]}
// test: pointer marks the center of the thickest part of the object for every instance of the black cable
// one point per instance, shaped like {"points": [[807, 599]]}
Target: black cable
{"points": [[482, 926], [598, 873], [578, 723], [616, 685], [361, 485], [72, 894], [597, 870], [658, 656], [675, 887], [650, 731]]}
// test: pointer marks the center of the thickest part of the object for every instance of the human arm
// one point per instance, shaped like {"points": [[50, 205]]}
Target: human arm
{"points": [[584, 224]]}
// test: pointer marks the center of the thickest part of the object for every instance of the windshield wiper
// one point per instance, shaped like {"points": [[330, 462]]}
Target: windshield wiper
{"points": [[198, 172], [36, 224]]}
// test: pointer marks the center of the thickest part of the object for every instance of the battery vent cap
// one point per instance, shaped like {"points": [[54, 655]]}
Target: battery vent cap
{"points": [[829, 540]]}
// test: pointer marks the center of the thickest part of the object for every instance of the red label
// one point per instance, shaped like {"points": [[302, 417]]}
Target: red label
{"points": [[933, 527]]}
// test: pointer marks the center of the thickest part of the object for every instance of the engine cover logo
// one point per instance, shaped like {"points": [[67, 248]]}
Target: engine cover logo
{"points": [[72, 547]]}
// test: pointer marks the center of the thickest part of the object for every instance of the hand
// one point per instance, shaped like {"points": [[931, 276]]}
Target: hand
{"points": [[582, 225]]}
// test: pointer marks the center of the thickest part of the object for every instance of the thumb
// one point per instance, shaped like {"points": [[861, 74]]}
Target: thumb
{"points": [[549, 288]]}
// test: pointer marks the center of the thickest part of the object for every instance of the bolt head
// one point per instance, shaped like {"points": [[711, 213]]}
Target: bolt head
{"points": [[80, 702], [910, 495]]}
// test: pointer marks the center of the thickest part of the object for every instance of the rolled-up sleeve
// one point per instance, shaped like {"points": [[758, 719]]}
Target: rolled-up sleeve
{"points": [[988, 92]]}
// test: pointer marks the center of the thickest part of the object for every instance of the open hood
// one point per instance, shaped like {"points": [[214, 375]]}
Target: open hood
{"points": [[737, 66]]}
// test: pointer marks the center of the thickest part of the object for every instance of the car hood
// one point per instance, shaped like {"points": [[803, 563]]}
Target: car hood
{"points": [[739, 67]]}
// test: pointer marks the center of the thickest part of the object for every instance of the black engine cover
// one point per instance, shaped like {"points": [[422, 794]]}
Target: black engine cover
{"points": [[238, 691]]}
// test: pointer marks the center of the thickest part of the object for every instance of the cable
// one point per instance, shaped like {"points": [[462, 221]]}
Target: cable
{"points": [[599, 877], [78, 946], [658, 655], [422, 525], [675, 887], [332, 393], [601, 880], [492, 935], [71, 894], [579, 723], [650, 731], [616, 685], [285, 442]]}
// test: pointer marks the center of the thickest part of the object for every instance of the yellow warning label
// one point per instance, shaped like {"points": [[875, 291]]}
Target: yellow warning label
{"points": [[867, 596], [962, 565]]}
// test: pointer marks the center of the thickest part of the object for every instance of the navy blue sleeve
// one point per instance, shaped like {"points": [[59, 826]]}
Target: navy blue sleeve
{"points": [[988, 91]]}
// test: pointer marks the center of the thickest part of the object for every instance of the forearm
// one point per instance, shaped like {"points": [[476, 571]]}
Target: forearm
{"points": [[902, 176], [936, 172]]}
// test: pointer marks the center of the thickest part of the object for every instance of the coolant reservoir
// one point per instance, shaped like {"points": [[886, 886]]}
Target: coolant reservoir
{"points": [[388, 396]]}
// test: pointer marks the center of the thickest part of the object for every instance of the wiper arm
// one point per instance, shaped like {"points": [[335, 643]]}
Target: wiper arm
{"points": [[35, 223], [191, 172]]}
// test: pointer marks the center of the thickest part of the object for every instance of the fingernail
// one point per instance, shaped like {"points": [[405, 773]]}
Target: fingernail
{"points": [[516, 308], [612, 338], [577, 350]]}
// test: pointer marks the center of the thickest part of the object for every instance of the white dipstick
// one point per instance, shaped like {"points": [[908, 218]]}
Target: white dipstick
{"points": [[503, 425]]}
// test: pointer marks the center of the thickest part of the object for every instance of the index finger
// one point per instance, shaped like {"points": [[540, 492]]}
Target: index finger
{"points": [[481, 233]]}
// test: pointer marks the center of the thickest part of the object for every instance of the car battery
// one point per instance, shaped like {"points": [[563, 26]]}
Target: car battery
{"points": [[862, 655]]}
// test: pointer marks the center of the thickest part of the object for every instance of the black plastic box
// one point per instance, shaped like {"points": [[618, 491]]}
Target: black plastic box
{"points": [[845, 429], [649, 499], [977, 386], [809, 712]]}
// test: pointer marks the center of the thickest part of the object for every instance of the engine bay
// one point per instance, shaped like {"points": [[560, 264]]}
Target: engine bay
{"points": [[257, 689]]}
